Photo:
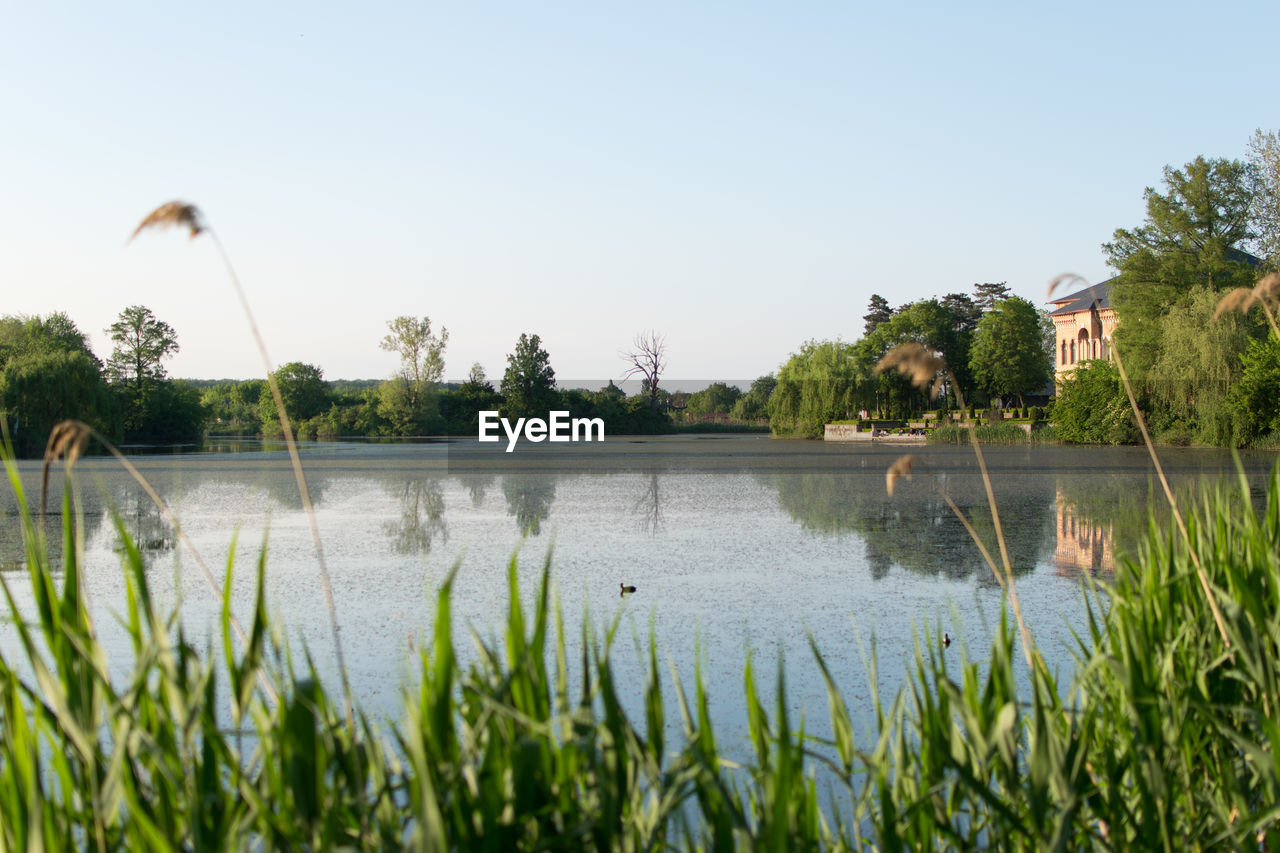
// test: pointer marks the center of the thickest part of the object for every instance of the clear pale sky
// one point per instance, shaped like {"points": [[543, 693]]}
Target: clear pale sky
{"points": [[738, 176]]}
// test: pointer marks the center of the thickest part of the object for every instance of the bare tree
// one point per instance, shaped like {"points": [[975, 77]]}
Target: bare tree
{"points": [[647, 360]]}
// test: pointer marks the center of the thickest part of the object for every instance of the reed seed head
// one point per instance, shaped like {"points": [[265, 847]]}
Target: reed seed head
{"points": [[921, 365], [1067, 278], [67, 439], [1268, 288], [1241, 299], [175, 214], [901, 468]]}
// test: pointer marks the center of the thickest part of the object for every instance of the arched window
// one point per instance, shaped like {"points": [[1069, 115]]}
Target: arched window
{"points": [[1073, 352], [1064, 352]]}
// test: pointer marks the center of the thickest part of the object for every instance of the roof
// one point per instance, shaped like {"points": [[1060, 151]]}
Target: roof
{"points": [[1098, 296]]}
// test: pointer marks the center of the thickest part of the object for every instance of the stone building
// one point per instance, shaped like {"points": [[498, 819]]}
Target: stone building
{"points": [[1084, 322]]}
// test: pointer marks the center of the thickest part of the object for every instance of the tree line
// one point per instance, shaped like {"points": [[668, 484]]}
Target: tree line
{"points": [[1199, 374], [48, 372], [998, 346]]}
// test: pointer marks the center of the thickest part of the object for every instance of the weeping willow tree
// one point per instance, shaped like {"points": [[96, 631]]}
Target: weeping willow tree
{"points": [[1199, 361], [818, 384]]}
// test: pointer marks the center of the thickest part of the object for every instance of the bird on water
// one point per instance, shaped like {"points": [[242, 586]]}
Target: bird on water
{"points": [[626, 589], [946, 640]]}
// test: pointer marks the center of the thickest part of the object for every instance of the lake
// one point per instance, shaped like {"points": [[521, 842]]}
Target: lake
{"points": [[737, 545]]}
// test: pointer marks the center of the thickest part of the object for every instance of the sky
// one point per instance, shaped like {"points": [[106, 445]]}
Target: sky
{"points": [[738, 177]]}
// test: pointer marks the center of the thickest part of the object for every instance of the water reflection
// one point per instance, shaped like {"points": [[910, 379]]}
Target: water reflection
{"points": [[476, 485], [141, 521], [1082, 545], [529, 498], [647, 507], [422, 518], [915, 528]]}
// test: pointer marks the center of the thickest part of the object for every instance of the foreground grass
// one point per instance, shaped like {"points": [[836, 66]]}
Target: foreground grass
{"points": [[1167, 737]]}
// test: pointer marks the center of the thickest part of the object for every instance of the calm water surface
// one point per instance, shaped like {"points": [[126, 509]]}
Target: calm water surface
{"points": [[738, 545]]}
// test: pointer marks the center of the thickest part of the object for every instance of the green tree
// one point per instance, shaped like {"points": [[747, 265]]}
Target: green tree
{"points": [[988, 293], [48, 373], [927, 322], [41, 386], [461, 407], [1254, 400], [304, 392], [967, 312], [716, 398], [1200, 359], [142, 343], [1008, 354], [1093, 408], [421, 352], [171, 413], [233, 407], [409, 402], [528, 385], [754, 404], [1192, 237], [878, 311], [816, 385]]}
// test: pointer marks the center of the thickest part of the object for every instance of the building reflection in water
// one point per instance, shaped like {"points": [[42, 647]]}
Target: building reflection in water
{"points": [[1083, 545]]}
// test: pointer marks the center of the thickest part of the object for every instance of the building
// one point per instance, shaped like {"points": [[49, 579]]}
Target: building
{"points": [[1084, 322]]}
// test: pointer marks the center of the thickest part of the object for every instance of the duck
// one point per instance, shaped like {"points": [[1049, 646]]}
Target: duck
{"points": [[946, 640], [626, 589]]}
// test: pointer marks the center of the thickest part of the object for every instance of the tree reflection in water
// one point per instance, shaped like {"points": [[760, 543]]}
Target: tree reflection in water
{"points": [[915, 529], [476, 486], [529, 498], [143, 523], [421, 519], [648, 506]]}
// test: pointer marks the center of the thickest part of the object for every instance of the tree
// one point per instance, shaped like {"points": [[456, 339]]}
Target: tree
{"points": [[1200, 359], [1093, 408], [988, 293], [528, 385], [647, 360], [421, 352], [461, 407], [878, 311], [754, 404], [304, 391], [927, 322], [408, 402], [1264, 161], [1008, 354], [716, 398], [1192, 237], [142, 343], [967, 312], [817, 385], [1254, 400], [42, 386]]}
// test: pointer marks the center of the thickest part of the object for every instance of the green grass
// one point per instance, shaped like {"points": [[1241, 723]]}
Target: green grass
{"points": [[712, 427], [1164, 737]]}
